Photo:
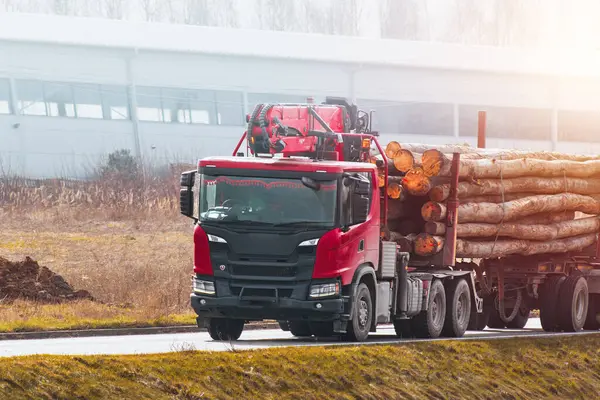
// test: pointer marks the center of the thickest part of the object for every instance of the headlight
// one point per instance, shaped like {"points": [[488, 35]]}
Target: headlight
{"points": [[324, 290], [310, 242], [216, 239], [203, 287]]}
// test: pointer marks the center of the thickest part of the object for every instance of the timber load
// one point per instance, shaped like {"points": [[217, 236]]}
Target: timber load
{"points": [[510, 202]]}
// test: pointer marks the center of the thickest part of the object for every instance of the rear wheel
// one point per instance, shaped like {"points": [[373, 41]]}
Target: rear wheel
{"points": [[495, 322], [573, 306], [592, 321], [429, 324], [360, 324], [520, 319], [299, 328], [225, 328], [479, 321], [458, 308], [548, 303]]}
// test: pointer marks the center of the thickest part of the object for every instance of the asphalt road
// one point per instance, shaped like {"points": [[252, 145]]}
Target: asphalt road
{"points": [[257, 339]]}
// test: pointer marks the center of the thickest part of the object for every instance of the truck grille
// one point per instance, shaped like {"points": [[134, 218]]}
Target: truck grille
{"points": [[276, 272]]}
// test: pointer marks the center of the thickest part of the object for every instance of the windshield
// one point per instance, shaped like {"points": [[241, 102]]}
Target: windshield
{"points": [[267, 201]]}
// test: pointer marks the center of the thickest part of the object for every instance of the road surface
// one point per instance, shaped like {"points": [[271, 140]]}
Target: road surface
{"points": [[256, 339]]}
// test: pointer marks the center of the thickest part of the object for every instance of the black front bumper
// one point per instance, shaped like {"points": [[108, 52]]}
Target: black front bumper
{"points": [[261, 308]]}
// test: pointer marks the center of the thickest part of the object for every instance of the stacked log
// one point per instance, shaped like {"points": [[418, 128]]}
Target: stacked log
{"points": [[510, 202]]}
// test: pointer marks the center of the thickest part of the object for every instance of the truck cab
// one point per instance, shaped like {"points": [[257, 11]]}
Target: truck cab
{"points": [[285, 239]]}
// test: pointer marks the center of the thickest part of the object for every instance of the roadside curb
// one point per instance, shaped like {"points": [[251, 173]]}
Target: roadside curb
{"points": [[119, 332]]}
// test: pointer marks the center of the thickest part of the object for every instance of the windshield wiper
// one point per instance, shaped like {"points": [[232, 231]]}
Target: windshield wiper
{"points": [[302, 224], [237, 222]]}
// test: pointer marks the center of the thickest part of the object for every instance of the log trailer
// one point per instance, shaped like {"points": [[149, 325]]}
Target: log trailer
{"points": [[291, 230]]}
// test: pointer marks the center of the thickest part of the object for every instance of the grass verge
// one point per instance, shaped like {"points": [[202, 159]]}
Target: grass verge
{"points": [[24, 316], [506, 369]]}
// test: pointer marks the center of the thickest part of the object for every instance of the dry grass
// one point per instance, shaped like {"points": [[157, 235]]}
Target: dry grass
{"points": [[124, 241], [24, 316], [561, 368]]}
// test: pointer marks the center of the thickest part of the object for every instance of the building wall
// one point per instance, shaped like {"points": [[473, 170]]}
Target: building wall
{"points": [[101, 100]]}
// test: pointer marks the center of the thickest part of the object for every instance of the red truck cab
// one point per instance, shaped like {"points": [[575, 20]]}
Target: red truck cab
{"points": [[285, 239]]}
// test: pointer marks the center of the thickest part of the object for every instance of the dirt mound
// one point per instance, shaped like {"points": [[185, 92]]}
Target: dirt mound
{"points": [[27, 280]]}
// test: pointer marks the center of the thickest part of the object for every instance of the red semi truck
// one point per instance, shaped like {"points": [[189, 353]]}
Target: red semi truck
{"points": [[290, 231]]}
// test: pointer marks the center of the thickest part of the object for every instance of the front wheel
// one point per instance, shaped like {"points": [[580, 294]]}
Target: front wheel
{"points": [[225, 329], [360, 324]]}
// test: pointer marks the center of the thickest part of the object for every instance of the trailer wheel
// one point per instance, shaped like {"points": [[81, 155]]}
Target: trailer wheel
{"points": [[225, 328], [495, 322], [299, 328], [573, 308], [520, 319], [479, 321], [360, 324], [458, 308], [592, 322], [548, 303], [429, 324]]}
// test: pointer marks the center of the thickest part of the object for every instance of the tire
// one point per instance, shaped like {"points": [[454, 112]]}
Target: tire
{"points": [[299, 328], [495, 322], [224, 329], [284, 325], [592, 322], [520, 319], [573, 306], [479, 321], [402, 328], [458, 308], [360, 324], [548, 303], [429, 324]]}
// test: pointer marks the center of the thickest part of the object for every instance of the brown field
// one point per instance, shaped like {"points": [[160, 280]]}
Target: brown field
{"points": [[122, 240]]}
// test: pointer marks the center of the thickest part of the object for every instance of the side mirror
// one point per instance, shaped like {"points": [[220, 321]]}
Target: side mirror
{"points": [[362, 187], [360, 208], [186, 194]]}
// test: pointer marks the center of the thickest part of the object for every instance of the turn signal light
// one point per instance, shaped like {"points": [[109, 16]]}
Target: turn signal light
{"points": [[366, 143]]}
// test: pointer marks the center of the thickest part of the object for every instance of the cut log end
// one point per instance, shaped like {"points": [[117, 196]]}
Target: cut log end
{"points": [[428, 245], [392, 148], [404, 161], [433, 211], [433, 162], [416, 182], [395, 191]]}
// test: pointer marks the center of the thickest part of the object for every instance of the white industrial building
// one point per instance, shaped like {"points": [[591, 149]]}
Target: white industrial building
{"points": [[73, 90]]}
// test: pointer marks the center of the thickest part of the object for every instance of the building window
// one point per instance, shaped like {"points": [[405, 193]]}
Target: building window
{"points": [[579, 126], [274, 98], [88, 99], [5, 99], [189, 106], [507, 122], [73, 100], [115, 102], [433, 119], [230, 108], [31, 98]]}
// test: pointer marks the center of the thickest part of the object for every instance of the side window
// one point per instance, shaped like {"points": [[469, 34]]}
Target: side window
{"points": [[369, 177], [348, 201]]}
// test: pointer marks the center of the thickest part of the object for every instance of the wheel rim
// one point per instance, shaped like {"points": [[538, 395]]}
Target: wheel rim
{"points": [[579, 306], [461, 314], [436, 310], [363, 314]]}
